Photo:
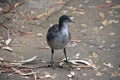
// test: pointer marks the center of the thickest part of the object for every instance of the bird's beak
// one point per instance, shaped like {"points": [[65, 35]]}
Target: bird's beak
{"points": [[71, 21]]}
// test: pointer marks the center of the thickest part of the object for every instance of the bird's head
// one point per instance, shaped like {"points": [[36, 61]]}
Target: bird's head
{"points": [[64, 19]]}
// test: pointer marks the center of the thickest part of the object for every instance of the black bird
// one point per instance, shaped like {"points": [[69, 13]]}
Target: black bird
{"points": [[58, 36]]}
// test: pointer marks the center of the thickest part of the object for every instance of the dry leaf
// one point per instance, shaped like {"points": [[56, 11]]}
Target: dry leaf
{"points": [[7, 48], [76, 62], [102, 15], [116, 6], [7, 42], [22, 14], [47, 13], [17, 4], [92, 79], [48, 76], [28, 60], [86, 1], [69, 75], [115, 74], [95, 55], [75, 40], [108, 1], [95, 29], [22, 73], [39, 34], [84, 74], [72, 74], [72, 8], [60, 2], [83, 25], [82, 13], [105, 22], [111, 33], [108, 65], [98, 73], [113, 21]]}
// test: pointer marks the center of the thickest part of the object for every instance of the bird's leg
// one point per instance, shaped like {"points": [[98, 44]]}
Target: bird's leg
{"points": [[52, 63], [64, 50], [68, 63]]}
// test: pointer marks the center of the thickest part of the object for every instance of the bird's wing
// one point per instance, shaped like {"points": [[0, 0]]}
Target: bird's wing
{"points": [[52, 32]]}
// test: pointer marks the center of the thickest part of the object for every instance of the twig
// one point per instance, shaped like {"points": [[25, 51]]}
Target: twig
{"points": [[103, 6], [11, 7]]}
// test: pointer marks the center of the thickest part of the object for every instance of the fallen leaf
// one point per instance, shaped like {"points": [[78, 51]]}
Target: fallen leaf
{"points": [[112, 33], [113, 21], [82, 13], [84, 74], [108, 1], [28, 60], [98, 73], [92, 79], [83, 25], [27, 33], [72, 74], [75, 40], [72, 8], [39, 34], [7, 42], [60, 2], [22, 73], [95, 55], [69, 75], [47, 13], [7, 48], [116, 6], [95, 29], [105, 22], [103, 6], [17, 4], [48, 76], [76, 62], [11, 7], [115, 74], [102, 15], [22, 14], [86, 1], [108, 65]]}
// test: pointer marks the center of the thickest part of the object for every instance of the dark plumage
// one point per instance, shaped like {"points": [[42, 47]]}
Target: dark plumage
{"points": [[58, 36]]}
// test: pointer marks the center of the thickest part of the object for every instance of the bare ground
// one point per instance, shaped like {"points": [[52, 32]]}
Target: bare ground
{"points": [[96, 25]]}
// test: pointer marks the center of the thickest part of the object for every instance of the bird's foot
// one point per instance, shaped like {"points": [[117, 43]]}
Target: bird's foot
{"points": [[68, 63], [52, 65]]}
